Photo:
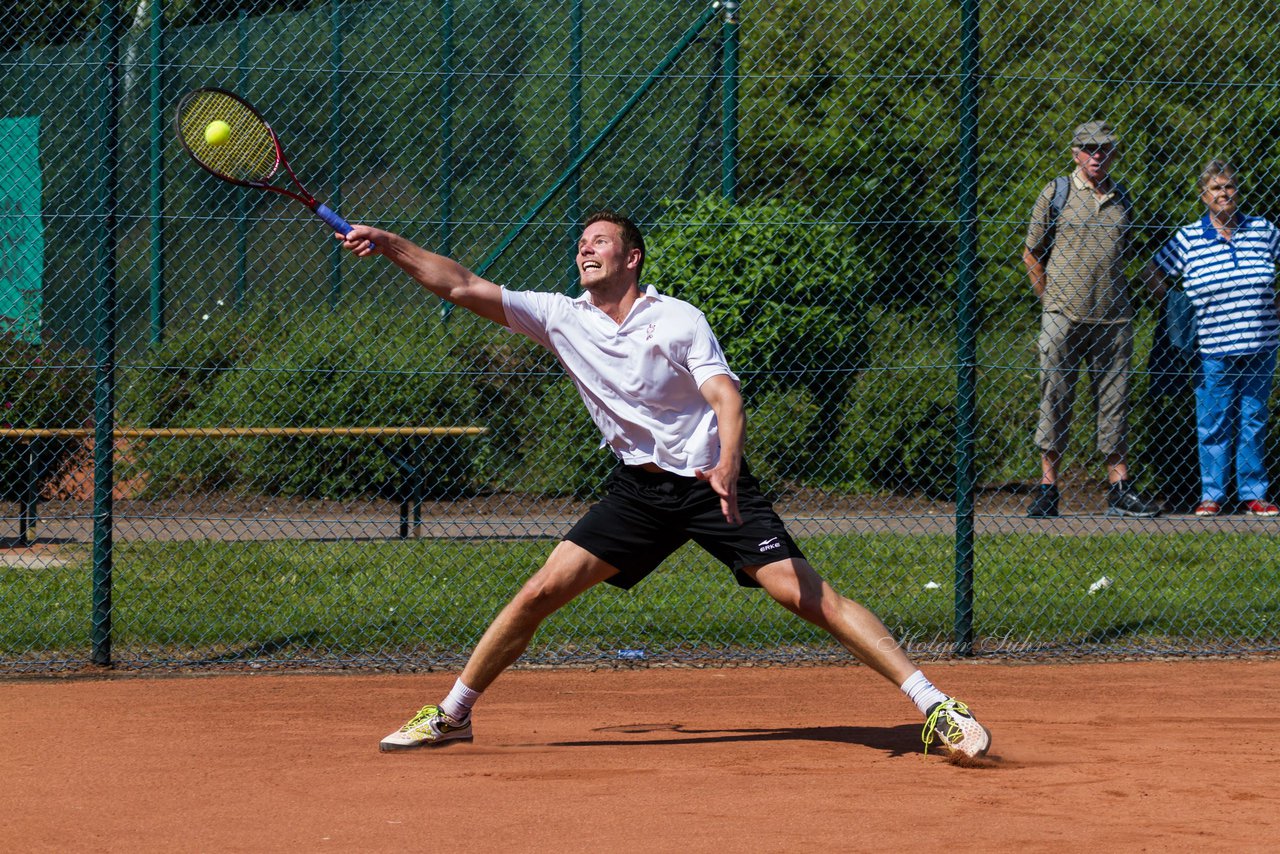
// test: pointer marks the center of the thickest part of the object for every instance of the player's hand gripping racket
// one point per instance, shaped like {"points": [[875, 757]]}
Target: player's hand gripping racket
{"points": [[230, 139]]}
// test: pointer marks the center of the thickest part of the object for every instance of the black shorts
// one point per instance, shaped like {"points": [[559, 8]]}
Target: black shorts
{"points": [[645, 516]]}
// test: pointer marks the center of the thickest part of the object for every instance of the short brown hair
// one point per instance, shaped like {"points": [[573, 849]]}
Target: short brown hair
{"points": [[631, 236]]}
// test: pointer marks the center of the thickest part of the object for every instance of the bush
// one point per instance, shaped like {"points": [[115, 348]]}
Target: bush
{"points": [[355, 367], [162, 386], [907, 440], [779, 424], [785, 293], [562, 457], [40, 387]]}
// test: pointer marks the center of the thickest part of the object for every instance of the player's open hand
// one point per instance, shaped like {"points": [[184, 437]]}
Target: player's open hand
{"points": [[724, 480]]}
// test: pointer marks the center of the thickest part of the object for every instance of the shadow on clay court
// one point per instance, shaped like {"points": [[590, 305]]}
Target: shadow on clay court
{"points": [[1117, 632], [265, 649], [901, 740]]}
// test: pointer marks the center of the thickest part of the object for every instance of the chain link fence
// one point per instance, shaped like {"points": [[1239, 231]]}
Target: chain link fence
{"points": [[225, 443]]}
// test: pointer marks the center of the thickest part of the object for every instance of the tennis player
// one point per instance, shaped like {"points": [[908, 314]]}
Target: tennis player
{"points": [[655, 381]]}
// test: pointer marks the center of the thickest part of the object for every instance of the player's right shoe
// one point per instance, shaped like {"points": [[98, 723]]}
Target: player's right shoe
{"points": [[429, 727], [951, 723]]}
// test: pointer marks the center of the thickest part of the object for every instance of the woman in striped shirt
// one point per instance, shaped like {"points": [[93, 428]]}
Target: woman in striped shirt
{"points": [[1227, 266]]}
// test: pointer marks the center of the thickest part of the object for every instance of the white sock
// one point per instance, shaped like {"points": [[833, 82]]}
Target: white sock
{"points": [[921, 691], [459, 702]]}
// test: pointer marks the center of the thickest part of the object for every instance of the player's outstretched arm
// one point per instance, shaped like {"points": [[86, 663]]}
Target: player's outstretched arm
{"points": [[443, 276]]}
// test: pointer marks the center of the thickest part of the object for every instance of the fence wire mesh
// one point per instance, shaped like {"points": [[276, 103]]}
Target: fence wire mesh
{"points": [[847, 191]]}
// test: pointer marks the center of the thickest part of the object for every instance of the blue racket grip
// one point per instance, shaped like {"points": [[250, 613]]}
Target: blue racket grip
{"points": [[331, 217]]}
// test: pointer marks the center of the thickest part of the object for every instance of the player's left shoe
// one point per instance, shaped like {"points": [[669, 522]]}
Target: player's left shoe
{"points": [[429, 727], [951, 723]]}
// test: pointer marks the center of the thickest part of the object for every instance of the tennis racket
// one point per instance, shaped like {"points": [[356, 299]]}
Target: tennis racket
{"points": [[249, 154]]}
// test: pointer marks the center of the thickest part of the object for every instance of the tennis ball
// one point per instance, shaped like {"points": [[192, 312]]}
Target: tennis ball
{"points": [[217, 132]]}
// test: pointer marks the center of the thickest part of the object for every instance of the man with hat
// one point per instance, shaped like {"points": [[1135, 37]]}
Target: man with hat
{"points": [[1076, 249]]}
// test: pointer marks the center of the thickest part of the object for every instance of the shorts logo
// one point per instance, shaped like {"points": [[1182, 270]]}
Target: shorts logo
{"points": [[770, 544]]}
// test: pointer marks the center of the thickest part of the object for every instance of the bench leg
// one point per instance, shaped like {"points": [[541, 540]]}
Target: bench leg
{"points": [[412, 496], [412, 488], [416, 482], [29, 503]]}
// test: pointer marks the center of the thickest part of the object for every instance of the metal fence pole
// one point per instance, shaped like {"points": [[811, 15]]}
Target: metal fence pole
{"points": [[575, 136], [156, 157], [336, 96], [242, 195], [446, 138], [729, 148], [966, 370], [705, 106], [107, 133]]}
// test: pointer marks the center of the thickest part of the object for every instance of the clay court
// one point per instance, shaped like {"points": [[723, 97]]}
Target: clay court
{"points": [[1122, 756]]}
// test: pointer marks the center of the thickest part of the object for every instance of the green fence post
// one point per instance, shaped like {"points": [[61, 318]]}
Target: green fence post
{"points": [[446, 139], [157, 171], [575, 138], [105, 191], [242, 194], [703, 122], [966, 345], [335, 144], [729, 146]]}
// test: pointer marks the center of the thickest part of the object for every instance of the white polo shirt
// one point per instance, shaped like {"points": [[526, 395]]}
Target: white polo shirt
{"points": [[640, 379]]}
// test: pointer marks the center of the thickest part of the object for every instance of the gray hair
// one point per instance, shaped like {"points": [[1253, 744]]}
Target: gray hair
{"points": [[1215, 167]]}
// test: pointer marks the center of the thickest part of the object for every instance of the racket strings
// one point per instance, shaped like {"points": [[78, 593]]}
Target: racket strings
{"points": [[249, 154]]}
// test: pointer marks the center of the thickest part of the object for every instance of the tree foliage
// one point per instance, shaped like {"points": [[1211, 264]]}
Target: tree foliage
{"points": [[786, 293]]}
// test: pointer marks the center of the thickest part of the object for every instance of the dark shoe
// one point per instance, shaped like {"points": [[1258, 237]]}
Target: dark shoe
{"points": [[1044, 504], [1124, 500]]}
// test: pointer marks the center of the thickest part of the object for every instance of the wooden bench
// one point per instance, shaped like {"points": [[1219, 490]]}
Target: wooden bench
{"points": [[412, 466]]}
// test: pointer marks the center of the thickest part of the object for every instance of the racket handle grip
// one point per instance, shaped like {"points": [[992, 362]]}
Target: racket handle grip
{"points": [[330, 216]]}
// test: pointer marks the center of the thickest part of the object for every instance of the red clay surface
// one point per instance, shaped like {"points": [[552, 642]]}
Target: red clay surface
{"points": [[1126, 756]]}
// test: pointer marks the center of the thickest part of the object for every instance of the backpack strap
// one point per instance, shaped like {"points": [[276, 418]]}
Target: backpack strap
{"points": [[1125, 201], [1061, 189]]}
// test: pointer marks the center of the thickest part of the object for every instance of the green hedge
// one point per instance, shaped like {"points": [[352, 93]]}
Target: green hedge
{"points": [[366, 365], [40, 387]]}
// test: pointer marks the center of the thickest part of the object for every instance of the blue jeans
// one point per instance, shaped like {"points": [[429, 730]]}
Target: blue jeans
{"points": [[1231, 388]]}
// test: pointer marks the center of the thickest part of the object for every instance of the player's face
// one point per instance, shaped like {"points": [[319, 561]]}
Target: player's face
{"points": [[1220, 196], [602, 256]]}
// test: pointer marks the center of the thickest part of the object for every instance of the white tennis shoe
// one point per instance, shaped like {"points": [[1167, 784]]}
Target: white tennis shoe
{"points": [[429, 727], [951, 723]]}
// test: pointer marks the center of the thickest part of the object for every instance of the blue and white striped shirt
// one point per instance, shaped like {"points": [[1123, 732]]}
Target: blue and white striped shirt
{"points": [[1229, 283]]}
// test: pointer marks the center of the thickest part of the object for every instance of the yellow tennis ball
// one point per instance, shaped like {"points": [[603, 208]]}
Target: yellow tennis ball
{"points": [[217, 132]]}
